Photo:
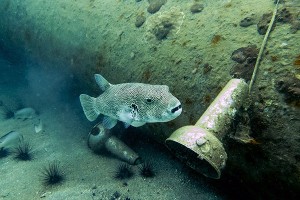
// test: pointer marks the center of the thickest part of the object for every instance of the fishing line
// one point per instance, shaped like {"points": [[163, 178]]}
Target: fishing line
{"points": [[261, 50]]}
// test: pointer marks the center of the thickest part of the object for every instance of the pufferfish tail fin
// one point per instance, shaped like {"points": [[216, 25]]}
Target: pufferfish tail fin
{"points": [[88, 104]]}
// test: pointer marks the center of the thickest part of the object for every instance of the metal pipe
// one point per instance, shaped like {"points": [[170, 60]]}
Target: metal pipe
{"points": [[101, 138], [200, 146]]}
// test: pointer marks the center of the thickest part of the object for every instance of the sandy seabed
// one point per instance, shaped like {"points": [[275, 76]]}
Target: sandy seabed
{"points": [[110, 36], [87, 175]]}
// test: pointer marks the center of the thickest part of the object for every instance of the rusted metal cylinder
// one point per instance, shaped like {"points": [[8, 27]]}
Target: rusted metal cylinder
{"points": [[200, 146], [101, 138]]}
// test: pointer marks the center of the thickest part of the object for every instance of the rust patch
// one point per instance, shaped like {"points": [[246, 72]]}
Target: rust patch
{"points": [[297, 61], [146, 75], [216, 39]]}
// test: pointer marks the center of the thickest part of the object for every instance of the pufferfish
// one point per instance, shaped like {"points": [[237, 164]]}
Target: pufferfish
{"points": [[134, 104]]}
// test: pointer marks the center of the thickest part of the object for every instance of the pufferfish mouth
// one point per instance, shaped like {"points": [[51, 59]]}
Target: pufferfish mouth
{"points": [[175, 109], [171, 113]]}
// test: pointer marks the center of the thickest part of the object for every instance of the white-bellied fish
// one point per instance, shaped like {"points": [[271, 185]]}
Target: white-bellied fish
{"points": [[25, 113], [9, 139], [134, 104]]}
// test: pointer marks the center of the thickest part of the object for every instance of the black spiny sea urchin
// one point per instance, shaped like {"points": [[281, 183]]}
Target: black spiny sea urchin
{"points": [[23, 151], [52, 174], [4, 152], [7, 114], [146, 169], [123, 171]]}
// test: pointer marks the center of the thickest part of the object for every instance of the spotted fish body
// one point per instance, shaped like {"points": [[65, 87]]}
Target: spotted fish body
{"points": [[132, 103]]}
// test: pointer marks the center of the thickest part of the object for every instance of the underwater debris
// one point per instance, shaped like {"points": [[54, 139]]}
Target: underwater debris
{"points": [[155, 5], [196, 8], [101, 138], [247, 21], [147, 169], [139, 21], [246, 58], [263, 23], [123, 171], [23, 151], [52, 174]]}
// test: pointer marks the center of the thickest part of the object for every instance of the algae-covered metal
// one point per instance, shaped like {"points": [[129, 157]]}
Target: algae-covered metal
{"points": [[200, 146]]}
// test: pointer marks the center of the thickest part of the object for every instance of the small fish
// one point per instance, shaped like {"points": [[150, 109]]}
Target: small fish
{"points": [[9, 139], [25, 113], [134, 104]]}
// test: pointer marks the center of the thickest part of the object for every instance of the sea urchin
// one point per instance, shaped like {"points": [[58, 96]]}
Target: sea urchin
{"points": [[23, 151], [123, 171], [4, 152], [6, 113], [146, 169], [52, 174]]}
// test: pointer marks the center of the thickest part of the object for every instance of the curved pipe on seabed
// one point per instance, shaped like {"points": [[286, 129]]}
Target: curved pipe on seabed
{"points": [[200, 146], [102, 138]]}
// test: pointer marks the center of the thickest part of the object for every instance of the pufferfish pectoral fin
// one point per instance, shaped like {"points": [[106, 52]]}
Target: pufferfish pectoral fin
{"points": [[102, 82], [88, 105], [109, 122], [126, 125]]}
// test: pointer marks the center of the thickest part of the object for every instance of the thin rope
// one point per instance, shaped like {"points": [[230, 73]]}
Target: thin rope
{"points": [[261, 50]]}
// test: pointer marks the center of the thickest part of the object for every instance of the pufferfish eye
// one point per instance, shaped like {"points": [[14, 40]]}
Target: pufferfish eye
{"points": [[149, 100]]}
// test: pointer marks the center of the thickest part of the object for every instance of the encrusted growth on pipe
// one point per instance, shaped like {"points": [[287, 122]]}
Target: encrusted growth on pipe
{"points": [[200, 146], [219, 114]]}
